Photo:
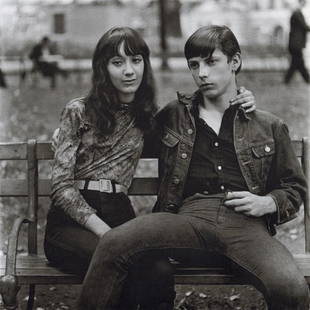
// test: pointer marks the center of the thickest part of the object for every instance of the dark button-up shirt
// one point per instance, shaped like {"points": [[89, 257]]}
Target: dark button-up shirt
{"points": [[84, 153], [214, 166]]}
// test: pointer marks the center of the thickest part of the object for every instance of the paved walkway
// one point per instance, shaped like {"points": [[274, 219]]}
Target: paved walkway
{"points": [[176, 63]]}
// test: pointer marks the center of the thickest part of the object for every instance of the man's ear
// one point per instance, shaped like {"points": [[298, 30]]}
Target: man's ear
{"points": [[236, 62]]}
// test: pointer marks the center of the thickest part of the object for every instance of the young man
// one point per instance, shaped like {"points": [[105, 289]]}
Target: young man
{"points": [[226, 179]]}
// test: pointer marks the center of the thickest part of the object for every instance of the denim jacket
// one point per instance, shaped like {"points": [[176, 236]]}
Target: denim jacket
{"points": [[264, 152]]}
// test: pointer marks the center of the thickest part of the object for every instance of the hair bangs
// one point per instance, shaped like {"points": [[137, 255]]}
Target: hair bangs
{"points": [[133, 44], [196, 46]]}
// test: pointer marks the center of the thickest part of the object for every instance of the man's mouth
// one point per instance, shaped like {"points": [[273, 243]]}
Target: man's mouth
{"points": [[206, 85]]}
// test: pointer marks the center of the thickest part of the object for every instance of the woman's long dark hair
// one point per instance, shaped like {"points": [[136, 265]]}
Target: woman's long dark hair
{"points": [[102, 99]]}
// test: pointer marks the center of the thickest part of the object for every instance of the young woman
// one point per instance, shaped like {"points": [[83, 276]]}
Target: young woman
{"points": [[100, 140]]}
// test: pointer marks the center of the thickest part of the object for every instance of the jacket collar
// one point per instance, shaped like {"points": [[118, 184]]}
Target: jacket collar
{"points": [[191, 101]]}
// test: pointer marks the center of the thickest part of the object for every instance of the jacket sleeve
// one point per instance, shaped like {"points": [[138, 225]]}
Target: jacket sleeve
{"points": [[287, 183], [65, 195]]}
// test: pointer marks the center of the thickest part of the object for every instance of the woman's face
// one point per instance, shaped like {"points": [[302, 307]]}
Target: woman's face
{"points": [[126, 73]]}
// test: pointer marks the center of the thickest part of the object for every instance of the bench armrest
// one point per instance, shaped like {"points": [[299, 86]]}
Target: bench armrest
{"points": [[10, 265]]}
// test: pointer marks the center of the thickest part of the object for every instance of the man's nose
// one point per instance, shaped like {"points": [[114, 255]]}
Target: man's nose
{"points": [[203, 71]]}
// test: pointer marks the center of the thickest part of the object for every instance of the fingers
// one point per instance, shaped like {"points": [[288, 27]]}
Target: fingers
{"points": [[243, 209], [240, 194]]}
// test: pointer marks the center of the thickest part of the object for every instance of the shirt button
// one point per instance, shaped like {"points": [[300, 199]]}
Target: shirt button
{"points": [[190, 131], [216, 144], [222, 187], [219, 168], [184, 155]]}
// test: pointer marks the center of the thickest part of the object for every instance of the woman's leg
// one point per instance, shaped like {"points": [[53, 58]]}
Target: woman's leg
{"points": [[70, 247]]}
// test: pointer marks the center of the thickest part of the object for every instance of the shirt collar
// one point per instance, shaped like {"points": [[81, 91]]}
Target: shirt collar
{"points": [[192, 101]]}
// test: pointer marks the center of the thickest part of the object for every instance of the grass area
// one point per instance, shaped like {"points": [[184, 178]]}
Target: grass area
{"points": [[33, 112]]}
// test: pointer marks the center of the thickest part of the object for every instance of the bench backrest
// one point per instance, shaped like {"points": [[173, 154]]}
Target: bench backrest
{"points": [[32, 152]]}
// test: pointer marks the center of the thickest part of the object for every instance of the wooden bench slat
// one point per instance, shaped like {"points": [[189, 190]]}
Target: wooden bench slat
{"points": [[18, 188], [34, 269], [13, 151]]}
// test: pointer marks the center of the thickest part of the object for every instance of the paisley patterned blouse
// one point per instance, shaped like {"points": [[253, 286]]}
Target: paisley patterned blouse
{"points": [[82, 153]]}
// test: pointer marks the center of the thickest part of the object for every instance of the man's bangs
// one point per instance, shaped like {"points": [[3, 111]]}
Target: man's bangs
{"points": [[197, 47]]}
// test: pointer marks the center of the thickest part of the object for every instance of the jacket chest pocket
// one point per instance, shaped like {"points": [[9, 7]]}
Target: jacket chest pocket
{"points": [[169, 148], [262, 158]]}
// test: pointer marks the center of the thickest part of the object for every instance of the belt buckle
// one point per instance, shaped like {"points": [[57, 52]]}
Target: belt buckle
{"points": [[105, 186]]}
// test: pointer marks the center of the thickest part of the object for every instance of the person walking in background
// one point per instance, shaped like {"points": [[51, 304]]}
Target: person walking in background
{"points": [[297, 42], [45, 63], [3, 83]]}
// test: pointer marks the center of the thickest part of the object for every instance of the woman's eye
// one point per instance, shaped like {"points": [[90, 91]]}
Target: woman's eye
{"points": [[137, 60], [116, 62]]}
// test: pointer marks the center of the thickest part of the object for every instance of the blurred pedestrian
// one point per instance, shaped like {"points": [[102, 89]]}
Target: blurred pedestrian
{"points": [[3, 83], [297, 42], [44, 62]]}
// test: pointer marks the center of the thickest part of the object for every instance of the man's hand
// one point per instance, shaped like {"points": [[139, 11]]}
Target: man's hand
{"points": [[250, 204], [245, 98]]}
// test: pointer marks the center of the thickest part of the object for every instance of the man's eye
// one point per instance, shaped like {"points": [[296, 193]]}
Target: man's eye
{"points": [[211, 61], [193, 65]]}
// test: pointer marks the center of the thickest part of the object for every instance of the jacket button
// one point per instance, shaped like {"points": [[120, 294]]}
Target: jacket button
{"points": [[176, 181], [267, 149], [190, 131], [184, 155]]}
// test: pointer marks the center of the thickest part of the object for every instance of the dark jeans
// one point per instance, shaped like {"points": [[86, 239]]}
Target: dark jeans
{"points": [[203, 223], [297, 64], [70, 247]]}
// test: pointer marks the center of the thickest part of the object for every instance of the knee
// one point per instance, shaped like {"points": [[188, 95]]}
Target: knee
{"points": [[292, 293]]}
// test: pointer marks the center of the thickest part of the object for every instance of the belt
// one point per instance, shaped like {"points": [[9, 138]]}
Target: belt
{"points": [[102, 185]]}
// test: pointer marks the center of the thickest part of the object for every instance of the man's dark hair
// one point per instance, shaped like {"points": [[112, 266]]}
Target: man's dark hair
{"points": [[205, 40]]}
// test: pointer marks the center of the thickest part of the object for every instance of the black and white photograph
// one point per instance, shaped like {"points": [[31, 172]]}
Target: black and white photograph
{"points": [[154, 154]]}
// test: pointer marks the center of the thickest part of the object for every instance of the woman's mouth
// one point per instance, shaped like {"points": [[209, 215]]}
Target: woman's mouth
{"points": [[129, 82]]}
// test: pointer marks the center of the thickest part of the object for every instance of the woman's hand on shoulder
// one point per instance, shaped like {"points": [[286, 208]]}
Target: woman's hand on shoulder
{"points": [[246, 98], [97, 225]]}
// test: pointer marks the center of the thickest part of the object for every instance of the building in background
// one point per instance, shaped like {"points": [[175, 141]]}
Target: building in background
{"points": [[76, 25]]}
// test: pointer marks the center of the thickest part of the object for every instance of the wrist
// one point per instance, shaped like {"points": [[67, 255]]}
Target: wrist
{"points": [[271, 206]]}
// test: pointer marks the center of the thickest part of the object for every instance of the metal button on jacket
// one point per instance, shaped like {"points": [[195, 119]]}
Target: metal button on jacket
{"points": [[184, 155]]}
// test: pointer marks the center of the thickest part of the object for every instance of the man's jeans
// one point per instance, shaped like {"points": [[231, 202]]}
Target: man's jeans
{"points": [[203, 223], [70, 247]]}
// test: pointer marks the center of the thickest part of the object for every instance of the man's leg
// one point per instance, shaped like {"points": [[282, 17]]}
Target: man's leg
{"points": [[123, 246], [292, 68], [265, 260], [301, 67]]}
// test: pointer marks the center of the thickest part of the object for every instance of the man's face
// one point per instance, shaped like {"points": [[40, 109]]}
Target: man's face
{"points": [[214, 74]]}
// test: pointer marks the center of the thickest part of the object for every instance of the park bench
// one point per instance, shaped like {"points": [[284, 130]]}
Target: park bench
{"points": [[32, 269]]}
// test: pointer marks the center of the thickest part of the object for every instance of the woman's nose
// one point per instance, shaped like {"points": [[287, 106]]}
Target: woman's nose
{"points": [[128, 70]]}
